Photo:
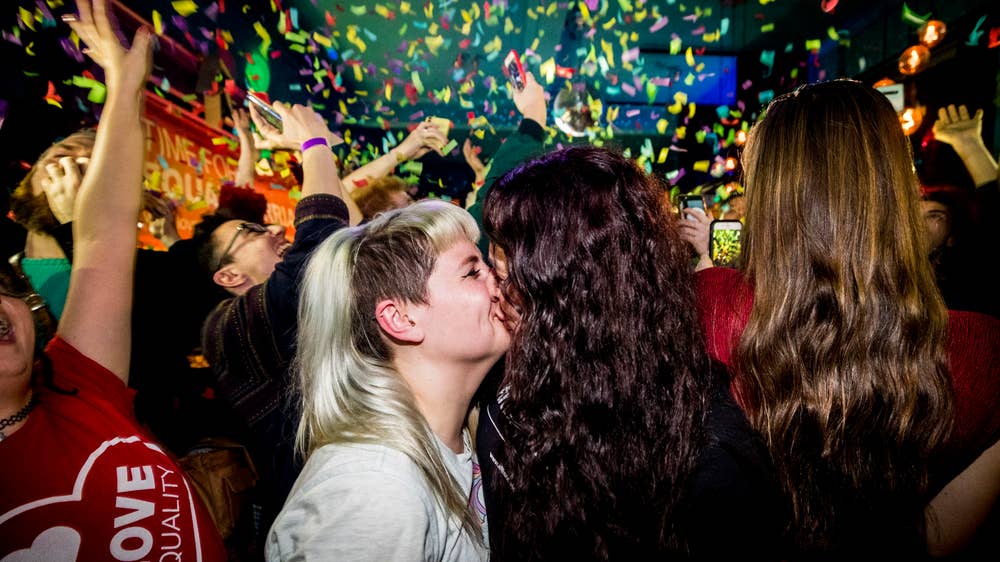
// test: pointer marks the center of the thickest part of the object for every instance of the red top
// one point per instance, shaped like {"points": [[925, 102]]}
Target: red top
{"points": [[81, 480], [724, 302]]}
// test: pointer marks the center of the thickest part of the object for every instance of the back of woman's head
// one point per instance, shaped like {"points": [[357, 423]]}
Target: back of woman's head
{"points": [[842, 360], [605, 359], [349, 390]]}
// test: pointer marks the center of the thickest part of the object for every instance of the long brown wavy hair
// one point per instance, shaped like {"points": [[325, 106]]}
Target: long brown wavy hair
{"points": [[607, 377], [842, 363]]}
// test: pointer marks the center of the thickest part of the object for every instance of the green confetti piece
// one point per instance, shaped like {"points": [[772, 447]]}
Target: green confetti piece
{"points": [[449, 147]]}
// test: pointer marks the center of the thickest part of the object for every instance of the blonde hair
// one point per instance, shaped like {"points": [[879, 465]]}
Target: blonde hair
{"points": [[350, 391]]}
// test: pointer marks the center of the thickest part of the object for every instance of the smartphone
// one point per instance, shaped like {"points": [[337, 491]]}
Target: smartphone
{"points": [[443, 125], [513, 70], [725, 237], [265, 111], [691, 202]]}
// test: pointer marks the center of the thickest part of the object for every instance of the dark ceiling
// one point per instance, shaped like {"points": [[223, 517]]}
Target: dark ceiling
{"points": [[381, 65]]}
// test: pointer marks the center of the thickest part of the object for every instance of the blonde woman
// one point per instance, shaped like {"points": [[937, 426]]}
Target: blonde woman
{"points": [[398, 325]]}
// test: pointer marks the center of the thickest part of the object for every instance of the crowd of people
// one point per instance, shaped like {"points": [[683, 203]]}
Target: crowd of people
{"points": [[557, 371]]}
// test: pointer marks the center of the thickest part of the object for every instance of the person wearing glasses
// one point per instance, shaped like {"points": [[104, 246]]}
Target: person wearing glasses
{"points": [[249, 338], [82, 479]]}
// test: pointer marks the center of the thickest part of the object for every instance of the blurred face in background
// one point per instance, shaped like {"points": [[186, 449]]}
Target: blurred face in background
{"points": [[937, 219]]}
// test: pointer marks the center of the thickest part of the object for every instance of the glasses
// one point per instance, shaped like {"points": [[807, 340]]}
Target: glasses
{"points": [[14, 286], [243, 226]]}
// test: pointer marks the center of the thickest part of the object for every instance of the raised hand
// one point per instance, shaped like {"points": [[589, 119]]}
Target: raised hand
{"points": [[472, 158], [954, 125], [531, 100], [424, 138], [299, 123], [126, 69], [61, 185]]}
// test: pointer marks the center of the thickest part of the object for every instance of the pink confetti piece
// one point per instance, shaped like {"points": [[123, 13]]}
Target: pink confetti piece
{"points": [[660, 23]]}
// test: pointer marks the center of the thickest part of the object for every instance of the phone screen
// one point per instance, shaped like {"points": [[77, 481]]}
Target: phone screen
{"points": [[691, 202], [264, 110], [513, 69], [725, 241]]}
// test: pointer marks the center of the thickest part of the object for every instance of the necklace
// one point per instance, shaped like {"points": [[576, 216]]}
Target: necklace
{"points": [[18, 416]]}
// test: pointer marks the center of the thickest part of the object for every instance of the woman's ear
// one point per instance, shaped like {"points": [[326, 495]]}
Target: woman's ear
{"points": [[394, 321]]}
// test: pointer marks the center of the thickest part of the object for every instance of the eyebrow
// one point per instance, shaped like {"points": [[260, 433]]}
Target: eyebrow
{"points": [[470, 259]]}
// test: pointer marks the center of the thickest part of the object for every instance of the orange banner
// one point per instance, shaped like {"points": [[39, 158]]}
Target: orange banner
{"points": [[188, 162]]}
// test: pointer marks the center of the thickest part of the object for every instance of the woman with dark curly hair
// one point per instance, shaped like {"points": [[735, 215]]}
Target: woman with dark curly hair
{"points": [[614, 437]]}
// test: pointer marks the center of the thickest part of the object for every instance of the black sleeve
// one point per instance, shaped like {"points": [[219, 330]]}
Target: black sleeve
{"points": [[736, 510], [316, 217]]}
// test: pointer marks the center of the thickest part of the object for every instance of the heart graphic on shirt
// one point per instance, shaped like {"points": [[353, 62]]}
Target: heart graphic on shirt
{"points": [[127, 499], [58, 544]]}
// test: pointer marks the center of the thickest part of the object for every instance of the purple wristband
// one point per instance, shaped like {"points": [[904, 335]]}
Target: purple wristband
{"points": [[313, 142]]}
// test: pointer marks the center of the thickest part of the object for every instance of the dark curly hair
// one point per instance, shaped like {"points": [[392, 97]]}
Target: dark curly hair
{"points": [[607, 379]]}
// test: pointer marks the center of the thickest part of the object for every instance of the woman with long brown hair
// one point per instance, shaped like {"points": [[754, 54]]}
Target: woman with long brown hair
{"points": [[836, 331]]}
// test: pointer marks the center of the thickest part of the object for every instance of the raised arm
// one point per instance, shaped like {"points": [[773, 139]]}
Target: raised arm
{"points": [[965, 135], [319, 170], [97, 318], [248, 148], [955, 514], [524, 144], [421, 140]]}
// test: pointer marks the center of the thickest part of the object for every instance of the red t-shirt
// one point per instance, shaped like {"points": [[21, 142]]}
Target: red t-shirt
{"points": [[81, 481], [724, 302]]}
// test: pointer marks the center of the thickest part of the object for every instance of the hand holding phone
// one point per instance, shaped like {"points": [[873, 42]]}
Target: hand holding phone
{"points": [[264, 109], [725, 242], [513, 69], [691, 202]]}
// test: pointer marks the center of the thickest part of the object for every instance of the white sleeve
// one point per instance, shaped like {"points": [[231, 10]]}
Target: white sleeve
{"points": [[357, 517]]}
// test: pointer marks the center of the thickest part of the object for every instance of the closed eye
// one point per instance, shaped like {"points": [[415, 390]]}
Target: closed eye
{"points": [[474, 272]]}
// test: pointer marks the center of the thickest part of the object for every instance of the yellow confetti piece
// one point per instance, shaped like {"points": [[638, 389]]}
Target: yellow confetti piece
{"points": [[417, 83], [609, 52], [404, 7], [185, 7], [265, 37], [433, 29], [357, 74], [27, 18], [548, 70], [157, 23], [322, 40], [359, 10], [691, 109], [494, 45], [352, 37], [701, 165], [831, 32], [767, 28], [813, 45], [609, 24], [663, 155], [388, 91], [689, 79], [675, 45], [689, 57], [428, 10], [661, 126], [434, 43], [382, 10], [584, 11]]}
